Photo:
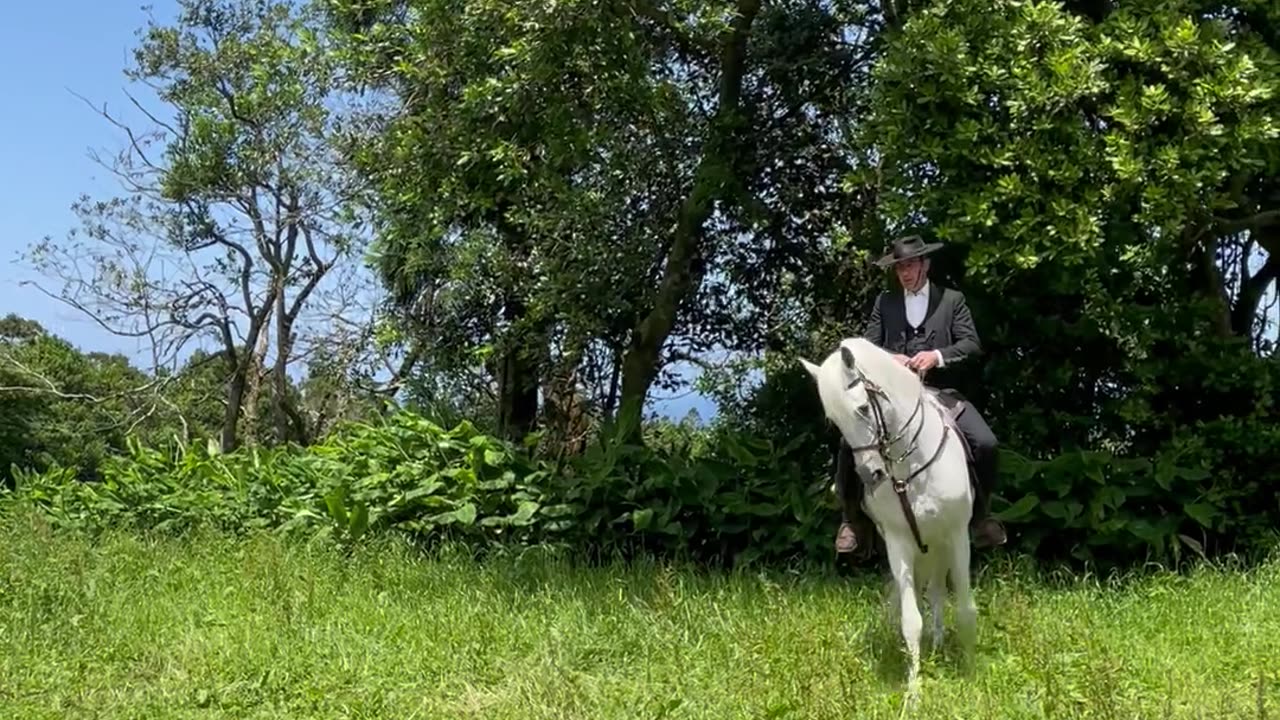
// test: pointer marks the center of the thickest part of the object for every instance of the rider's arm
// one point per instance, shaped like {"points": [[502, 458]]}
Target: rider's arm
{"points": [[964, 336], [874, 329]]}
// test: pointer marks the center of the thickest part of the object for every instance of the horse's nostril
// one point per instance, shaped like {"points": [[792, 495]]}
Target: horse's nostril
{"points": [[877, 475]]}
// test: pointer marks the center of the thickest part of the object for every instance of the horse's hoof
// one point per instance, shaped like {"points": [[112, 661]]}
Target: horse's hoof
{"points": [[911, 698]]}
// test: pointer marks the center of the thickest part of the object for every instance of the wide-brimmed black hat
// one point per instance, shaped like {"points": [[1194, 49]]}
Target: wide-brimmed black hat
{"points": [[905, 248]]}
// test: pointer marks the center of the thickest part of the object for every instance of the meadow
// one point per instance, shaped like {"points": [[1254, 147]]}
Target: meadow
{"points": [[131, 624]]}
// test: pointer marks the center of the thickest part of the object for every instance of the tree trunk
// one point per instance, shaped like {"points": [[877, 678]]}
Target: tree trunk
{"points": [[522, 349], [615, 376], [1252, 288], [517, 377], [235, 399], [279, 372], [242, 363], [564, 408], [253, 385], [684, 263]]}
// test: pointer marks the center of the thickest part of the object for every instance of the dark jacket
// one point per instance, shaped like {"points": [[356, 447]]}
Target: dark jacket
{"points": [[947, 326]]}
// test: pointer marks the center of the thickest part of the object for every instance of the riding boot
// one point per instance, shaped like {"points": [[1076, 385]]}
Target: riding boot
{"points": [[987, 531], [853, 536]]}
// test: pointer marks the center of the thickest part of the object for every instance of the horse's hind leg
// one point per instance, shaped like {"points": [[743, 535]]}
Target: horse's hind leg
{"points": [[966, 609]]}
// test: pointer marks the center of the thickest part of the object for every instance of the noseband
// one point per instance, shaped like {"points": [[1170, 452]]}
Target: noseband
{"points": [[884, 442]]}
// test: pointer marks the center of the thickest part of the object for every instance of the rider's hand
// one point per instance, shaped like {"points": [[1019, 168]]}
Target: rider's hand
{"points": [[923, 361]]}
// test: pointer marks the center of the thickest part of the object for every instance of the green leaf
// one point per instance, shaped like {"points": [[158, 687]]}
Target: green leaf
{"points": [[740, 454], [1202, 513], [359, 520], [335, 502], [524, 513], [1192, 474], [428, 487], [1019, 509], [465, 515], [1192, 543], [642, 519]]}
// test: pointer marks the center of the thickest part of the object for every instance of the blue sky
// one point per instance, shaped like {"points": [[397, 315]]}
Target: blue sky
{"points": [[50, 53]]}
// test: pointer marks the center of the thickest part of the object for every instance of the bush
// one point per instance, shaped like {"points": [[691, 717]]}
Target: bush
{"points": [[716, 495], [408, 473], [738, 499]]}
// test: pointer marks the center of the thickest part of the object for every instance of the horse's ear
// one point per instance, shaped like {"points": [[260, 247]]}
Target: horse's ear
{"points": [[813, 369], [847, 355]]}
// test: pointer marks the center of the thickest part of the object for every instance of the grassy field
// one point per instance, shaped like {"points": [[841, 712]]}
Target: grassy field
{"points": [[210, 627]]}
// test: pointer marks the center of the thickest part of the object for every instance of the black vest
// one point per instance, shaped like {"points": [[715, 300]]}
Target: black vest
{"points": [[916, 339]]}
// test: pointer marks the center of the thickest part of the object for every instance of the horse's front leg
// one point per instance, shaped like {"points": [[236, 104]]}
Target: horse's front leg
{"points": [[937, 603], [901, 566]]}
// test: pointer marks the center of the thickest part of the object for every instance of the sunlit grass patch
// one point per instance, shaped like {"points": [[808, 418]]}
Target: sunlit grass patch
{"points": [[211, 627]]}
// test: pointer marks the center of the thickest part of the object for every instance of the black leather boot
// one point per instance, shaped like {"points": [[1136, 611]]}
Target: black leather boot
{"points": [[987, 531]]}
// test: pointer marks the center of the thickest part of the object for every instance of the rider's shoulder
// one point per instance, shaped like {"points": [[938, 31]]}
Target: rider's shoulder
{"points": [[950, 293]]}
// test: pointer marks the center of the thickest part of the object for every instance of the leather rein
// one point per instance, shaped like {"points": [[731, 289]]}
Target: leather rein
{"points": [[884, 443]]}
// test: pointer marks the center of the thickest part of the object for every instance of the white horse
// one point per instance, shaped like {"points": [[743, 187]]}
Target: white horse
{"points": [[899, 432]]}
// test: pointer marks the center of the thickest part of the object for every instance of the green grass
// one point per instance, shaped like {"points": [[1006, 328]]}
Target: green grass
{"points": [[124, 626]]}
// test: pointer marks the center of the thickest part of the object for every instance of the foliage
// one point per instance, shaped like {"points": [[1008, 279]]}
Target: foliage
{"points": [[715, 496], [607, 187], [1092, 176], [1098, 507], [407, 473], [744, 499], [63, 407], [738, 500]]}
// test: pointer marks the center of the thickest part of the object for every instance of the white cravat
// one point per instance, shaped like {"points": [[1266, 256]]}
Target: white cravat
{"points": [[917, 306]]}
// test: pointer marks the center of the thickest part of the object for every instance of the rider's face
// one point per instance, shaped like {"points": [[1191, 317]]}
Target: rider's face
{"points": [[911, 273]]}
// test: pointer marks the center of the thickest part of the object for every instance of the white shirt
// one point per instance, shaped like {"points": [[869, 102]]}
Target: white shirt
{"points": [[917, 306]]}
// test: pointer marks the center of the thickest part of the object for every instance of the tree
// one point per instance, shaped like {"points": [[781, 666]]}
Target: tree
{"points": [[236, 210], [473, 171], [1104, 178], [63, 407], [596, 208]]}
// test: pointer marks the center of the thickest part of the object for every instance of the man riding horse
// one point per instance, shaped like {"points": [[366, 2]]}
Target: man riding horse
{"points": [[928, 328]]}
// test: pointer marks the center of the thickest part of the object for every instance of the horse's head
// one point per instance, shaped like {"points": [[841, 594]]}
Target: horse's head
{"points": [[855, 404]]}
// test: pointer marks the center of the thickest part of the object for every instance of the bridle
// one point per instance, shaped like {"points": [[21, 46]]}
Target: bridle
{"points": [[884, 442]]}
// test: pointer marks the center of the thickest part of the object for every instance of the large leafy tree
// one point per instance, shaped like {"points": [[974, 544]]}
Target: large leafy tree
{"points": [[1107, 177], [599, 186]]}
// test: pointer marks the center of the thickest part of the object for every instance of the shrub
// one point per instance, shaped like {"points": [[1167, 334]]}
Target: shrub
{"points": [[716, 495]]}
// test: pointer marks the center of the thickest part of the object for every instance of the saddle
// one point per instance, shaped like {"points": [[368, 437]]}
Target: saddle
{"points": [[954, 404]]}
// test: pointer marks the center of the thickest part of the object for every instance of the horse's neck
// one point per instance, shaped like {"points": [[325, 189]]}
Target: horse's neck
{"points": [[913, 406]]}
